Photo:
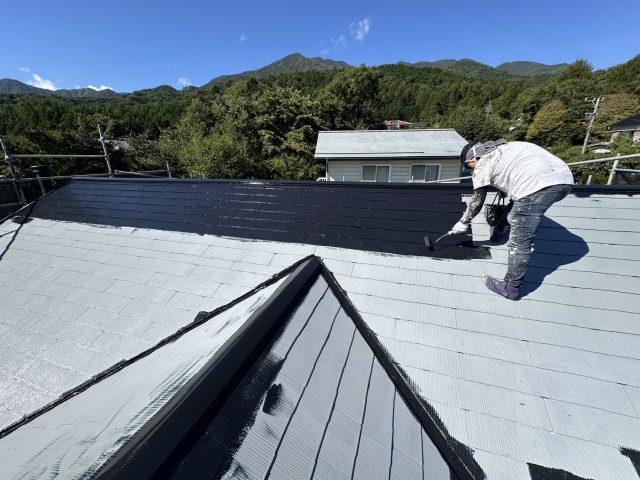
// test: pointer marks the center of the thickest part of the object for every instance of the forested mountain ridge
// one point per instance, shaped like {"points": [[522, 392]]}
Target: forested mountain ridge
{"points": [[465, 67], [296, 62], [267, 128], [9, 86], [289, 64], [531, 69]]}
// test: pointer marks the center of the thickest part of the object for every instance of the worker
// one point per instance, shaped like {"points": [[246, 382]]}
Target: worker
{"points": [[534, 179]]}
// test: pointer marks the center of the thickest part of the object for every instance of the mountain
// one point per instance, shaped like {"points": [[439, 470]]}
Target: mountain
{"points": [[14, 87], [531, 69], [85, 93], [465, 67], [470, 68], [291, 63], [9, 86], [296, 62]]}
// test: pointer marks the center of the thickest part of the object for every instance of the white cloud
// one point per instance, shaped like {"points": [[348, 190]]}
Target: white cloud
{"points": [[359, 30], [243, 38], [341, 41], [184, 82], [40, 82], [24, 69], [97, 89]]}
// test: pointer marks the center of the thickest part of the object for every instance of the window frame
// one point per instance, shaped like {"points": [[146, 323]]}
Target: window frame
{"points": [[374, 165], [411, 180]]}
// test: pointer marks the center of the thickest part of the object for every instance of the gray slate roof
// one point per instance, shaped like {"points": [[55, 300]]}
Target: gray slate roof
{"points": [[552, 380], [74, 439], [389, 144], [331, 411]]}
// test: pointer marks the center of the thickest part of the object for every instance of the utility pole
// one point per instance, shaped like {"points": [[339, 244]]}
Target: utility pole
{"points": [[596, 104], [489, 108]]}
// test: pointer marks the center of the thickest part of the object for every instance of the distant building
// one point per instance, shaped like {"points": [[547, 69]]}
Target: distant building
{"points": [[414, 155], [397, 124], [629, 125]]}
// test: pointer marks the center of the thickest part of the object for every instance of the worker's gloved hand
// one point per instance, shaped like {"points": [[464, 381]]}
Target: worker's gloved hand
{"points": [[460, 228]]}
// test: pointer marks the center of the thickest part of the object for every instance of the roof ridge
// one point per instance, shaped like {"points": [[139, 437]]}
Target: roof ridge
{"points": [[392, 130], [207, 391]]}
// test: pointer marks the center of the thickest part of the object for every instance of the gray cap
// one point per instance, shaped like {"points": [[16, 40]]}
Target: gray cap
{"points": [[473, 151]]}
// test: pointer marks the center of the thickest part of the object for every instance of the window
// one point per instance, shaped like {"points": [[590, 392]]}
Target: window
{"points": [[425, 173], [376, 173]]}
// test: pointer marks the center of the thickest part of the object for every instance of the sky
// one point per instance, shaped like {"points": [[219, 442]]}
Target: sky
{"points": [[135, 44]]}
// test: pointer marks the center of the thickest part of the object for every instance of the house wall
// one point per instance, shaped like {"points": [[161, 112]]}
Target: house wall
{"points": [[351, 170], [635, 134]]}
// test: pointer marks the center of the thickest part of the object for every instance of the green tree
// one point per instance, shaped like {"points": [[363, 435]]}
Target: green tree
{"points": [[475, 126], [548, 123], [614, 108], [351, 100], [215, 156], [288, 125]]}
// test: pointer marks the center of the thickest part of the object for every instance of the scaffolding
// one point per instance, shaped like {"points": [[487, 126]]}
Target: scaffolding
{"points": [[45, 179]]}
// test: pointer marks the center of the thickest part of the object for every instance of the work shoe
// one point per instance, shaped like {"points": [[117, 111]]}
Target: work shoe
{"points": [[501, 288]]}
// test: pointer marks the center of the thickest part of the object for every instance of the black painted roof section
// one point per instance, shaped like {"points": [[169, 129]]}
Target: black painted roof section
{"points": [[319, 399], [382, 218], [631, 123]]}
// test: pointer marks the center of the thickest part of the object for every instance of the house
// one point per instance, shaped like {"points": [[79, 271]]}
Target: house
{"points": [[415, 155], [245, 329], [397, 124], [629, 125]]}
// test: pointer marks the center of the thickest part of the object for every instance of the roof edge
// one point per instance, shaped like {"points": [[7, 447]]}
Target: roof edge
{"points": [[391, 157], [391, 130]]}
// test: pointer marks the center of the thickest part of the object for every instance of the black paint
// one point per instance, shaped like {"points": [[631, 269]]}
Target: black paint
{"points": [[456, 454], [160, 440], [634, 456], [218, 421], [273, 399], [208, 450], [388, 219], [538, 472], [201, 317]]}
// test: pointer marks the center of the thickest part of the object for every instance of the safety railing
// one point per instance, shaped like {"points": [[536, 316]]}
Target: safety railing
{"points": [[17, 180], [614, 169]]}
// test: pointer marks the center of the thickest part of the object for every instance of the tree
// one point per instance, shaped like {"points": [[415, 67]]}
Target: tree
{"points": [[215, 156], [548, 124], [614, 108], [350, 100], [475, 126]]}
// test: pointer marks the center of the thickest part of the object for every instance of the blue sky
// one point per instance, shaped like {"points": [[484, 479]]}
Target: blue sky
{"points": [[135, 44]]}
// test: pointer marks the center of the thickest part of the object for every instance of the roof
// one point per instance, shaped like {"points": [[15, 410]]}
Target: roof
{"points": [[319, 401], [389, 144], [390, 123], [628, 124], [129, 398], [103, 270]]}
